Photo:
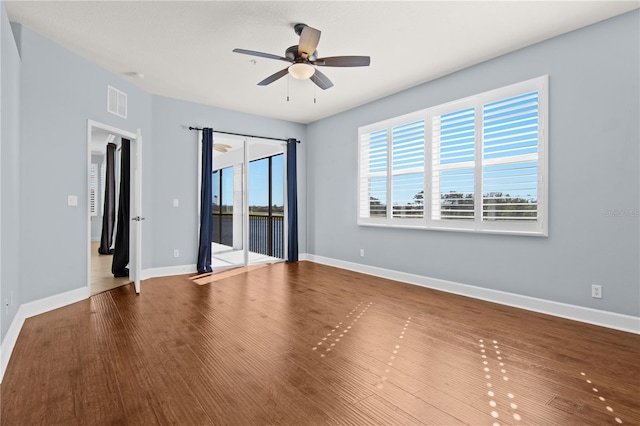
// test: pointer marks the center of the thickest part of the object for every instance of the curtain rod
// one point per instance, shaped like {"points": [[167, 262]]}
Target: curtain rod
{"points": [[247, 136]]}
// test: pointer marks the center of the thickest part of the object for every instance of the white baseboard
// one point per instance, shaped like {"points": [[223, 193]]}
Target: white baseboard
{"points": [[28, 310], [578, 313], [47, 304], [306, 256], [168, 271], [612, 320]]}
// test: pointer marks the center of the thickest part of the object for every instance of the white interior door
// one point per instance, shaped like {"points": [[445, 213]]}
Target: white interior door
{"points": [[96, 136], [135, 233]]}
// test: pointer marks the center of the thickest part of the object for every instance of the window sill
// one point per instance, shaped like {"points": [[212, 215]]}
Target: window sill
{"points": [[517, 232]]}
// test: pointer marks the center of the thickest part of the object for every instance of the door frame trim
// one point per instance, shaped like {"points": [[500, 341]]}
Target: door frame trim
{"points": [[91, 124]]}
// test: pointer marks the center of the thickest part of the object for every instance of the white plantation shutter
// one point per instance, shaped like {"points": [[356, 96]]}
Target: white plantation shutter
{"points": [[373, 175], [408, 170], [453, 165], [93, 190], [475, 164], [510, 159], [103, 181]]}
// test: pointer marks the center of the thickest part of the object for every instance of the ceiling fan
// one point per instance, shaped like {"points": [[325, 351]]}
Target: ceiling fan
{"points": [[221, 147], [304, 59]]}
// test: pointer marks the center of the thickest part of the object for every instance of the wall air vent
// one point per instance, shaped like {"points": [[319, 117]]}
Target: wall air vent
{"points": [[116, 102]]}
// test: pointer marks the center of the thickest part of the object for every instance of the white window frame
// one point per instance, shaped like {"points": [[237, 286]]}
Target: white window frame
{"points": [[430, 220], [387, 125]]}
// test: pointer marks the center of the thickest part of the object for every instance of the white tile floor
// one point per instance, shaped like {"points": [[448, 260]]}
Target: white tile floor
{"points": [[225, 257]]}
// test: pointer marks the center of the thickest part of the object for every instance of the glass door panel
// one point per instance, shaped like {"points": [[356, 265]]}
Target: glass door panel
{"points": [[228, 207], [265, 202], [277, 202]]}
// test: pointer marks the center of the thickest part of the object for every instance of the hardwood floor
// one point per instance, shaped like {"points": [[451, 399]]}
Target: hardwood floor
{"points": [[101, 277], [307, 344]]}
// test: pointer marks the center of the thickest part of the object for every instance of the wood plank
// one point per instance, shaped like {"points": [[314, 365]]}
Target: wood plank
{"points": [[220, 275], [240, 350]]}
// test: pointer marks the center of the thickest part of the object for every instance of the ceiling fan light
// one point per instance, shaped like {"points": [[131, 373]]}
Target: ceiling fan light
{"points": [[301, 70]]}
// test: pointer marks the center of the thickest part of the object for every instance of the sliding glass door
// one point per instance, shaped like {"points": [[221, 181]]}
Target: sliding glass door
{"points": [[227, 218], [266, 208], [223, 206], [248, 225]]}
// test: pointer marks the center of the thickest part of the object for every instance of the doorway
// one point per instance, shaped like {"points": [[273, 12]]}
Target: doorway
{"points": [[248, 183], [99, 274]]}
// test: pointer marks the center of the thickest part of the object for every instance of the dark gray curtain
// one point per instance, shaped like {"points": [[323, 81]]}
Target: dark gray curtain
{"points": [[109, 216], [206, 199], [121, 251], [292, 202]]}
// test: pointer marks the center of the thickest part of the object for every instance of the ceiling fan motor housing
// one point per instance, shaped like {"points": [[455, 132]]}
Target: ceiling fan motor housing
{"points": [[298, 28], [292, 54]]}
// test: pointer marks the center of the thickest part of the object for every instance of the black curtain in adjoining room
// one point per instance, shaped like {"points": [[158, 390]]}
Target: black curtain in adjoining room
{"points": [[206, 199], [121, 251], [109, 215], [292, 202]]}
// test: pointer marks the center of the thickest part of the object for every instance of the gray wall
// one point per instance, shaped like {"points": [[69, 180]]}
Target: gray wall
{"points": [[594, 169], [175, 156], [9, 167], [59, 92]]}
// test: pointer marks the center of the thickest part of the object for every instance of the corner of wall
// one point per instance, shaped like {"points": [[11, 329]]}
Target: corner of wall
{"points": [[29, 310], [9, 147], [2, 14], [16, 29]]}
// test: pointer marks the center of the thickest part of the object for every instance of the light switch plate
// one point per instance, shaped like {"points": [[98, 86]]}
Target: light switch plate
{"points": [[72, 200], [176, 203]]}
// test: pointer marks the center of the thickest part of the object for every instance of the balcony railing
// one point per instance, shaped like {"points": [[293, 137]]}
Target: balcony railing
{"points": [[266, 233]]}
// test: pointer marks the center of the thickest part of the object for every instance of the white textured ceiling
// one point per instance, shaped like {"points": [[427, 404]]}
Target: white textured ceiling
{"points": [[184, 48]]}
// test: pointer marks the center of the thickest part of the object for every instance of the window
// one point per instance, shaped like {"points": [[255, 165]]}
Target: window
{"points": [[476, 164], [392, 168], [265, 199], [266, 206], [407, 169]]}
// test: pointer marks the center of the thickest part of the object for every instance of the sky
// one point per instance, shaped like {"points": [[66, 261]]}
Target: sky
{"points": [[258, 183]]}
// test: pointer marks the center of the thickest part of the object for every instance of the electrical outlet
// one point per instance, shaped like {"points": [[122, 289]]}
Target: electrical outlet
{"points": [[176, 253], [596, 291], [361, 252]]}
